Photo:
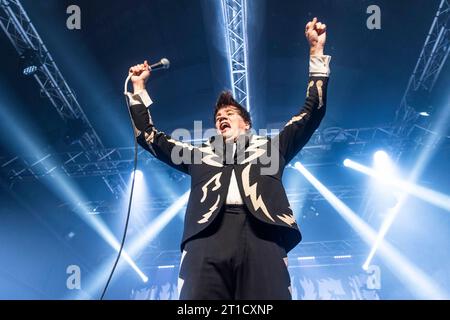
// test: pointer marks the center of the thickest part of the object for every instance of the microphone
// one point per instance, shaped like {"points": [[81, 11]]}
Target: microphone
{"points": [[162, 64]]}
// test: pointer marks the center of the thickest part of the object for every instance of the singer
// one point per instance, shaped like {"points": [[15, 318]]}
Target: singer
{"points": [[239, 226]]}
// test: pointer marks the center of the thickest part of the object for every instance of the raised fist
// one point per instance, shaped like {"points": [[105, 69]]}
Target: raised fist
{"points": [[140, 74], [316, 33]]}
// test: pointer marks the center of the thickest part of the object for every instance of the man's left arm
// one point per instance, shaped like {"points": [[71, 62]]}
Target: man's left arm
{"points": [[301, 126]]}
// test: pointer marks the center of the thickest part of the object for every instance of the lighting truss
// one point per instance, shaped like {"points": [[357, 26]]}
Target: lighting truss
{"points": [[408, 132], [235, 20], [433, 56], [304, 195], [117, 161], [23, 35]]}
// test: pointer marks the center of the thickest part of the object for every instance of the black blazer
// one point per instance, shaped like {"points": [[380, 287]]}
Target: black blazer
{"points": [[210, 167]]}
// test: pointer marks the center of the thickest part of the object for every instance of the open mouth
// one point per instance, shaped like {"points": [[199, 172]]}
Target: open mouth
{"points": [[224, 126]]}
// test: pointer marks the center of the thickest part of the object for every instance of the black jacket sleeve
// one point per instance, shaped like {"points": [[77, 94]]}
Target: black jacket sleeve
{"points": [[297, 132], [175, 153]]}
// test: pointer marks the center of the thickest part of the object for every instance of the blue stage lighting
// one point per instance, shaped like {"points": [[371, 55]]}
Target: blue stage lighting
{"points": [[415, 279], [380, 157], [138, 244], [422, 160], [436, 198], [346, 163], [60, 185]]}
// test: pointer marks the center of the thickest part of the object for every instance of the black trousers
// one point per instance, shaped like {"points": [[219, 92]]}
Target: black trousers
{"points": [[236, 258]]}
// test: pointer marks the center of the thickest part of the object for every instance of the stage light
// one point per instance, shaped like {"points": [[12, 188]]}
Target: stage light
{"points": [[381, 157], [30, 62], [430, 146], [306, 258], [384, 195], [139, 175], [424, 114], [415, 279], [346, 162], [167, 267], [29, 71], [436, 198], [383, 163], [348, 256]]}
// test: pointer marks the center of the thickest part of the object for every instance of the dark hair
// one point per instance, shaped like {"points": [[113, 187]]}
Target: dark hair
{"points": [[226, 99]]}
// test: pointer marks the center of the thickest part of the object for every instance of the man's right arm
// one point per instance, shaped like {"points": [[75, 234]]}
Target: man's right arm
{"points": [[162, 146]]}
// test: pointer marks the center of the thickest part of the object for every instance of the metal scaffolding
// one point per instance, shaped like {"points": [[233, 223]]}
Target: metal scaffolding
{"points": [[409, 132], [118, 161], [235, 20], [433, 56], [297, 196], [21, 32]]}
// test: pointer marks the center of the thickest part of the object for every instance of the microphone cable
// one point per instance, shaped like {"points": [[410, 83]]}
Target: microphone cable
{"points": [[131, 192]]}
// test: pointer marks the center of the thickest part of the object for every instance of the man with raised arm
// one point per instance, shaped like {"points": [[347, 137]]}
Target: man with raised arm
{"points": [[238, 226]]}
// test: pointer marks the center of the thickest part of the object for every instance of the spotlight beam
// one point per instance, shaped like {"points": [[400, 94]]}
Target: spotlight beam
{"points": [[415, 279], [137, 244], [60, 185], [436, 198], [385, 228], [156, 226], [422, 161]]}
